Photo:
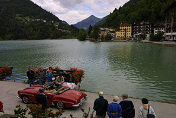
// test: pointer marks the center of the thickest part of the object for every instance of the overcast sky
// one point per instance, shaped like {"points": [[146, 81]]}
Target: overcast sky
{"points": [[73, 11]]}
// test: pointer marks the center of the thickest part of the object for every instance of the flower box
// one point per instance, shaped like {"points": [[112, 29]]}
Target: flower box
{"points": [[5, 71]]}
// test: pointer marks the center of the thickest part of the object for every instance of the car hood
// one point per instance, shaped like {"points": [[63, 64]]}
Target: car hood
{"points": [[72, 95]]}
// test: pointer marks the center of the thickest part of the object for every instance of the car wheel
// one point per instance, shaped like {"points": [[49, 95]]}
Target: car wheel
{"points": [[25, 99], [60, 105]]}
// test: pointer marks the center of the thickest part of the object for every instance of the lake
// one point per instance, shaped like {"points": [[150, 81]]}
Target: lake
{"points": [[138, 69]]}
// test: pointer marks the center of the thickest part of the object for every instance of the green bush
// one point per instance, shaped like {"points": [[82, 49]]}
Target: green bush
{"points": [[108, 37], [82, 35], [157, 37]]}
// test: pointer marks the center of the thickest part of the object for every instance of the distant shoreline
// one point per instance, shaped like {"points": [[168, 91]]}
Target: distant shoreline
{"points": [[37, 39], [173, 43]]}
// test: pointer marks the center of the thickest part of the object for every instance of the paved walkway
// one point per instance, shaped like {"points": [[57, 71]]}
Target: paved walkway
{"points": [[8, 93]]}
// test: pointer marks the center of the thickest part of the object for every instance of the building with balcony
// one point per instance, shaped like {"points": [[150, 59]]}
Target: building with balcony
{"points": [[159, 28], [170, 22], [142, 28]]}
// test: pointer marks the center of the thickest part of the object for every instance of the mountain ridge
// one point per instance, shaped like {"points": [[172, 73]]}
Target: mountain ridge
{"points": [[23, 19], [137, 11], [91, 20]]}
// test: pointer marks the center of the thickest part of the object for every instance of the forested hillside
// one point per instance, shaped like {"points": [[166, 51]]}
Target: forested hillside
{"points": [[137, 11], [22, 19]]}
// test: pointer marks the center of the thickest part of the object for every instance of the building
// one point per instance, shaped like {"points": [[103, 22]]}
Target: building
{"points": [[104, 31], [118, 33], [142, 28], [170, 22], [159, 28], [125, 31], [112, 32]]}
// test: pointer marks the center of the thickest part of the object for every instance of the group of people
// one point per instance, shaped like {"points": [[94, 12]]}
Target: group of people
{"points": [[46, 76], [124, 109]]}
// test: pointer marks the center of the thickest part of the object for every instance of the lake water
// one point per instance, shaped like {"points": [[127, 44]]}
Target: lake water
{"points": [[138, 69]]}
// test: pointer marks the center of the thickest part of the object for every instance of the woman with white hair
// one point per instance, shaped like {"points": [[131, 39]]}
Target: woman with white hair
{"points": [[114, 109]]}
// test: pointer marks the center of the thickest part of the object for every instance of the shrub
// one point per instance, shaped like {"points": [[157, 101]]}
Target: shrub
{"points": [[108, 37], [35, 112]]}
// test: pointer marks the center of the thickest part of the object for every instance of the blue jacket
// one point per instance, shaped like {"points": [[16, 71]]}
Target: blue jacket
{"points": [[50, 76], [114, 110]]}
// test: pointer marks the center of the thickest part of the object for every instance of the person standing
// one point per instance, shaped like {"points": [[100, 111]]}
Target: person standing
{"points": [[50, 74], [30, 75], [146, 109], [42, 99], [114, 109], [128, 110], [42, 77], [100, 106]]}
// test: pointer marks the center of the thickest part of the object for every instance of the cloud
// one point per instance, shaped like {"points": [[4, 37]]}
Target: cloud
{"points": [[73, 11]]}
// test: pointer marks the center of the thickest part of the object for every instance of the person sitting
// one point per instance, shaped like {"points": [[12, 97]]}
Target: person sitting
{"points": [[58, 82], [68, 77], [128, 110]]}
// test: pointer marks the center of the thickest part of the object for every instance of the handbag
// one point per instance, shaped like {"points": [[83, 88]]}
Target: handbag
{"points": [[150, 115]]}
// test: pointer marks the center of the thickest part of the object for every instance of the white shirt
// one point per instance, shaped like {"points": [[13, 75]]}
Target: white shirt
{"points": [[143, 112]]}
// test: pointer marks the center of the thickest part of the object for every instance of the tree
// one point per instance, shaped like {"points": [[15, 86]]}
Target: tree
{"points": [[89, 30], [152, 37], [157, 37], [108, 37], [143, 36], [82, 35], [95, 33]]}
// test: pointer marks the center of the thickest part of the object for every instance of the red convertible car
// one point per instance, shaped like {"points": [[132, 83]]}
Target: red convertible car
{"points": [[61, 98]]}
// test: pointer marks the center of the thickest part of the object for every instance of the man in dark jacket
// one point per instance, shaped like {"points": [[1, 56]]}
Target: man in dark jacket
{"points": [[42, 98], [128, 110], [30, 75], [100, 106]]}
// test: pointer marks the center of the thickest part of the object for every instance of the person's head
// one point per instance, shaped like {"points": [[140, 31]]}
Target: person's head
{"points": [[50, 68], [41, 90], [100, 93], [124, 96], [115, 99], [29, 68], [41, 69], [57, 78], [144, 101]]}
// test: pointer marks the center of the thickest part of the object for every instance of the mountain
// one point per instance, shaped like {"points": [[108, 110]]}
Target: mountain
{"points": [[135, 11], [23, 19], [102, 20], [91, 20]]}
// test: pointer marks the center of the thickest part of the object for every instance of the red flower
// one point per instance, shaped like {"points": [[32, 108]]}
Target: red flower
{"points": [[77, 75]]}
